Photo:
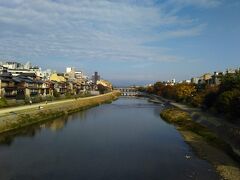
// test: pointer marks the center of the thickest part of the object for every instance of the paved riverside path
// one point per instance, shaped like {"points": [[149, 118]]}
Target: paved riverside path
{"points": [[35, 106], [223, 128], [197, 113]]}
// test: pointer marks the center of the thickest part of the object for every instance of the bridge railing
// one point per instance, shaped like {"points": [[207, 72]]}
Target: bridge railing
{"points": [[128, 91]]}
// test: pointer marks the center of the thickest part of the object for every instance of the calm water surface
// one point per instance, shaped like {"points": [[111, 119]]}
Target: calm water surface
{"points": [[124, 140]]}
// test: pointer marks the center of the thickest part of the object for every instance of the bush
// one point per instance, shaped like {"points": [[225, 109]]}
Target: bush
{"points": [[20, 102], [228, 102], [69, 95], [12, 102], [210, 99], [3, 102], [197, 100], [37, 99], [27, 100], [49, 98], [56, 94]]}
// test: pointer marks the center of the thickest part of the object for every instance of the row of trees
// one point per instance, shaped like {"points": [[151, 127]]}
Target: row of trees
{"points": [[223, 99]]}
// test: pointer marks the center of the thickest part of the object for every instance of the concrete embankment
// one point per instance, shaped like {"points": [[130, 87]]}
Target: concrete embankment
{"points": [[204, 142], [11, 120]]}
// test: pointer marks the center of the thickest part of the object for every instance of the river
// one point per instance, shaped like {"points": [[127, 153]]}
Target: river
{"points": [[125, 140]]}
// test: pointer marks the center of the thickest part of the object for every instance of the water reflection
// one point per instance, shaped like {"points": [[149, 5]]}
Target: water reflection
{"points": [[123, 140], [30, 131], [8, 138]]}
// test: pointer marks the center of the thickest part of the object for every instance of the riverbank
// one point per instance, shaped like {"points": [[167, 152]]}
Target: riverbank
{"points": [[15, 118], [206, 144], [224, 129]]}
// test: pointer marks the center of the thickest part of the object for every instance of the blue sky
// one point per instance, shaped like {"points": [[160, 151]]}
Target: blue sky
{"points": [[127, 41]]}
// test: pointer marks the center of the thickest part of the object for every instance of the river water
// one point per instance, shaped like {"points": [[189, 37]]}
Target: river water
{"points": [[125, 140]]}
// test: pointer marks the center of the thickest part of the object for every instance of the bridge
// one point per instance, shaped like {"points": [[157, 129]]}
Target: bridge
{"points": [[128, 91]]}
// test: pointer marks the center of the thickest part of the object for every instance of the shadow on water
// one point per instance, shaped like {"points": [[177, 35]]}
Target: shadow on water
{"points": [[32, 130]]}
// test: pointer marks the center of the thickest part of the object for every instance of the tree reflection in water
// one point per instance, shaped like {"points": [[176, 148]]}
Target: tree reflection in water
{"points": [[30, 131]]}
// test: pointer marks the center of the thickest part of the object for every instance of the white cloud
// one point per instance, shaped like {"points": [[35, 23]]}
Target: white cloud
{"points": [[198, 3], [91, 30], [194, 31]]}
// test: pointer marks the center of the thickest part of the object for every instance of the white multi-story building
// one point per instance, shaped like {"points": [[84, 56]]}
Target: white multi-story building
{"points": [[79, 75], [16, 68], [12, 65], [16, 72], [70, 69], [37, 70], [71, 73]]}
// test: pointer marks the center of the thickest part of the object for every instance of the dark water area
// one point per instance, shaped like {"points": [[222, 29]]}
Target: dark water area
{"points": [[125, 140]]}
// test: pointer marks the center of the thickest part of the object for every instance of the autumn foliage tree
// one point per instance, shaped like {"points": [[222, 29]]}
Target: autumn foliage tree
{"points": [[184, 92], [223, 99], [179, 92]]}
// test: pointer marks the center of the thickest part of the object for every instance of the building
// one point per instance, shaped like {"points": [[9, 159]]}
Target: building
{"points": [[71, 73], [216, 78], [195, 80], [28, 85], [231, 71], [16, 72], [12, 65], [3, 69], [21, 86], [187, 81], [105, 83], [28, 65], [205, 79], [21, 81], [61, 87], [95, 77], [70, 69], [46, 74], [8, 87], [37, 70], [173, 81], [16, 68], [79, 75], [57, 77]]}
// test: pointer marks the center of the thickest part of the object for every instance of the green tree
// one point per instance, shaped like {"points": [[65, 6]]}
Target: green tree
{"points": [[230, 82], [103, 89], [55, 93], [150, 89], [227, 101], [169, 92], [158, 87]]}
